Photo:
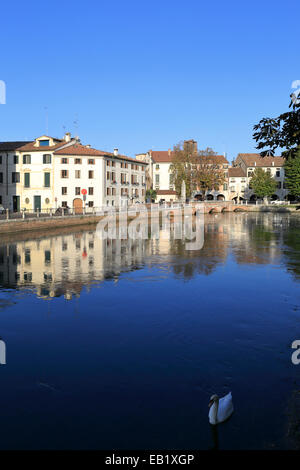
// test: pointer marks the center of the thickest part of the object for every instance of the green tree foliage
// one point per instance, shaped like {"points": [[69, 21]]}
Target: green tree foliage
{"points": [[151, 194], [262, 183], [292, 175], [280, 132]]}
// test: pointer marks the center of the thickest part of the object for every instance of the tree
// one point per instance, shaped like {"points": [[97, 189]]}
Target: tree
{"points": [[292, 175], [181, 169], [280, 132], [208, 175], [151, 194], [262, 183]]}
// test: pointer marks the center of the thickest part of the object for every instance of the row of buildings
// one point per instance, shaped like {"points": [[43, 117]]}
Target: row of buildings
{"points": [[237, 175], [48, 173]]}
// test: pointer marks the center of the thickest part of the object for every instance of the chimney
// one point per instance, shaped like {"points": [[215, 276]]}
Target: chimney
{"points": [[273, 163], [254, 163], [116, 151], [67, 137], [169, 152]]}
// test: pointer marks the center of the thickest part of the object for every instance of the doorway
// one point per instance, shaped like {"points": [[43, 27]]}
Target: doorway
{"points": [[77, 204], [37, 203], [16, 203]]}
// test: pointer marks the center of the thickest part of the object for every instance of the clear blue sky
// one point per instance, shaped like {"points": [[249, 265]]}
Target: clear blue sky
{"points": [[140, 75]]}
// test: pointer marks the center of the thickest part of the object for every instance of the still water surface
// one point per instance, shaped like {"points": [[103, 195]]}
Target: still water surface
{"points": [[119, 345]]}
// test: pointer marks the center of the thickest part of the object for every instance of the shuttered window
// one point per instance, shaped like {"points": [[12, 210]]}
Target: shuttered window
{"points": [[27, 180], [47, 180]]}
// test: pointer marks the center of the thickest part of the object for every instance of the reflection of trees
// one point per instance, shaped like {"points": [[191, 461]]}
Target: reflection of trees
{"points": [[259, 244], [291, 250], [205, 261]]}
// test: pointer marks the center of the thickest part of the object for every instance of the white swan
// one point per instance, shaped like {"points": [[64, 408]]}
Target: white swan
{"points": [[220, 408]]}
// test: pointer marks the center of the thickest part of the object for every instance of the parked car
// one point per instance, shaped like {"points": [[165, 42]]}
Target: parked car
{"points": [[278, 202]]}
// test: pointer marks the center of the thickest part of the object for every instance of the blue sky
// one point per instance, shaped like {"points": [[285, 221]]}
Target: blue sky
{"points": [[145, 75]]}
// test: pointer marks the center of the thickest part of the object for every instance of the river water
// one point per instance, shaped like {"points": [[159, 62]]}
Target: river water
{"points": [[120, 344]]}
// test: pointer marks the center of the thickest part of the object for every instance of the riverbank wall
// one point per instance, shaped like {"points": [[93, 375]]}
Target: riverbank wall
{"points": [[50, 223]]}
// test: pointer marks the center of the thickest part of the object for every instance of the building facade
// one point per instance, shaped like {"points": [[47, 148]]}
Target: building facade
{"points": [[48, 173]]}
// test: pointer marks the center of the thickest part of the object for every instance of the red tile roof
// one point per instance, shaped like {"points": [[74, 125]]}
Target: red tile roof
{"points": [[162, 156], [251, 158], [78, 149], [81, 150], [237, 172], [165, 156], [31, 147]]}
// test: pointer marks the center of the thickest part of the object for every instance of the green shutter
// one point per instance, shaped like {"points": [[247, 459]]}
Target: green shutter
{"points": [[47, 180], [27, 180]]}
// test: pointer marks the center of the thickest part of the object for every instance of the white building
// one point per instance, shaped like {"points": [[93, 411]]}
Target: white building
{"points": [[48, 173], [247, 163]]}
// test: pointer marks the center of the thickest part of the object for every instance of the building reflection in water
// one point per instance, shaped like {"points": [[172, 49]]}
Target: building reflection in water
{"points": [[62, 264]]}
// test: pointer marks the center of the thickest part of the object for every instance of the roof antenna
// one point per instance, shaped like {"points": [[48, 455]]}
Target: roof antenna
{"points": [[75, 122]]}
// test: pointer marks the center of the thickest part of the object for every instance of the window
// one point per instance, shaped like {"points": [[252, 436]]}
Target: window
{"points": [[156, 179], [44, 143], [232, 189], [91, 161], [77, 161], [108, 175], [26, 159], [108, 191], [91, 174], [47, 158], [27, 180], [91, 191], [16, 159], [77, 173], [77, 191], [157, 167], [91, 204], [64, 161], [1, 177], [47, 256], [64, 190], [279, 185], [27, 256], [0, 159], [28, 277], [47, 180], [64, 204], [108, 163], [225, 187], [64, 174], [278, 172], [113, 191]]}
